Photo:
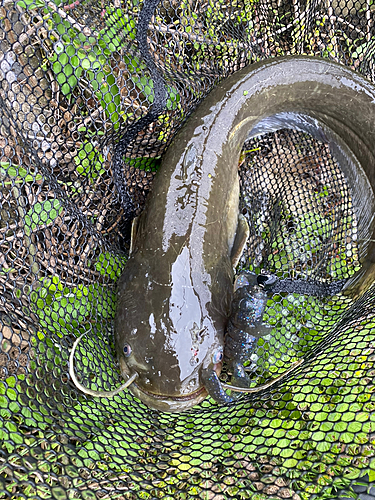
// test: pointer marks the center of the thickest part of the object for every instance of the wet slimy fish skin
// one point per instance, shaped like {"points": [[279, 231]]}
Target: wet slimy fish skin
{"points": [[175, 293], [176, 290]]}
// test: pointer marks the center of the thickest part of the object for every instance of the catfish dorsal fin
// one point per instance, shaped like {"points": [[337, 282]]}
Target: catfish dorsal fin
{"points": [[240, 240]]}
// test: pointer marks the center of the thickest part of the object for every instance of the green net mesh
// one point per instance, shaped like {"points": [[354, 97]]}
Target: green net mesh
{"points": [[74, 78]]}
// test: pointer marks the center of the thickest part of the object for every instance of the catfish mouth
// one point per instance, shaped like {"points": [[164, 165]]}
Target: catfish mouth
{"points": [[164, 397], [162, 402]]}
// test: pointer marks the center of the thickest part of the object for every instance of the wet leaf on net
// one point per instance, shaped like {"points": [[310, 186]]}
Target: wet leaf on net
{"points": [[366, 49], [62, 309], [147, 164], [31, 4], [43, 213], [89, 161], [65, 62], [118, 23], [108, 93], [71, 58], [19, 173]]}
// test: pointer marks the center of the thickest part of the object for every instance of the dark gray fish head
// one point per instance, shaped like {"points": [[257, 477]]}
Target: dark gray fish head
{"points": [[169, 335]]}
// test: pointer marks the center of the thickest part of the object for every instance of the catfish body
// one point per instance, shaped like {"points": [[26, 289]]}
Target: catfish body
{"points": [[176, 290]]}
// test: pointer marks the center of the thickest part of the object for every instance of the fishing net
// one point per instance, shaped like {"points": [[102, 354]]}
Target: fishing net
{"points": [[83, 127]]}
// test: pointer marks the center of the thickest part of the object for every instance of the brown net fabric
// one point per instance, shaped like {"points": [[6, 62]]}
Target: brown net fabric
{"points": [[80, 109]]}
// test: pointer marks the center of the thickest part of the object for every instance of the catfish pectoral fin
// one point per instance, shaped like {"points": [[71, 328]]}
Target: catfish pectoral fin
{"points": [[133, 234], [214, 388], [240, 240]]}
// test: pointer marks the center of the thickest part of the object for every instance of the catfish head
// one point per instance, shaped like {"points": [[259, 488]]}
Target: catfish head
{"points": [[171, 334]]}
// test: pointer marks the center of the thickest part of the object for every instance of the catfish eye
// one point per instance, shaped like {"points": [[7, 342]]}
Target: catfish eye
{"points": [[127, 350], [217, 356]]}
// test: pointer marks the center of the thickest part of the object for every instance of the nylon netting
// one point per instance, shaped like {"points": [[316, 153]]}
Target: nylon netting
{"points": [[80, 112]]}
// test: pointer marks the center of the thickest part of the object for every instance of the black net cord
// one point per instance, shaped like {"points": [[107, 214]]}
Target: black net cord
{"points": [[156, 109]]}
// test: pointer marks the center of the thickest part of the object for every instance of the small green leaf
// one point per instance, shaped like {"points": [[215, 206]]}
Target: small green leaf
{"points": [[86, 63], [16, 171], [363, 49], [70, 50], [110, 265], [63, 58], [89, 162], [143, 163], [61, 78], [30, 4], [57, 68], [43, 213]]}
